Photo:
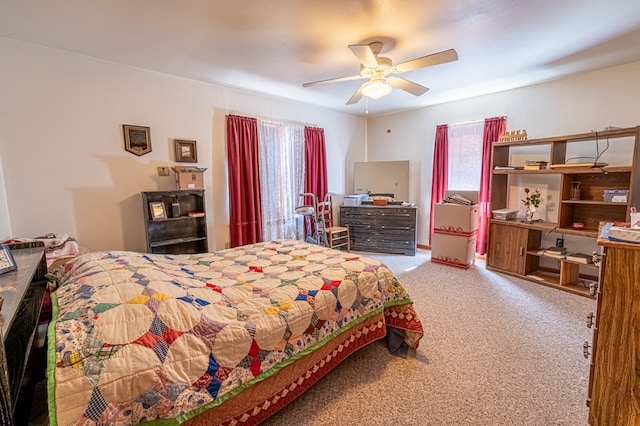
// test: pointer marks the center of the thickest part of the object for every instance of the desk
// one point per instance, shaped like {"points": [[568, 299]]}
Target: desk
{"points": [[22, 290]]}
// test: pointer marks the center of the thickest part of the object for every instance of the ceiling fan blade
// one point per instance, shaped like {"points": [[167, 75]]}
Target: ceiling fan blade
{"points": [[332, 80], [407, 86], [427, 61], [365, 54], [355, 98]]}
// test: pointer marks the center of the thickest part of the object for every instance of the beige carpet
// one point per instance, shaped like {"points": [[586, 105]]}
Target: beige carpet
{"points": [[496, 351]]}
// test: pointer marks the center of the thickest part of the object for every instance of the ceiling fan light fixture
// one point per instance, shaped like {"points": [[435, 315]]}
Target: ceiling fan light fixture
{"points": [[376, 89]]}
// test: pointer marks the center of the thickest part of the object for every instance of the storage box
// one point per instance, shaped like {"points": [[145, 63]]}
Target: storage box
{"points": [[504, 214], [351, 200], [616, 195], [453, 250], [457, 219], [189, 177], [628, 235]]}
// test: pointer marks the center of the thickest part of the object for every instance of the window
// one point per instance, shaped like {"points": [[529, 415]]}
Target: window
{"points": [[465, 156], [281, 179]]}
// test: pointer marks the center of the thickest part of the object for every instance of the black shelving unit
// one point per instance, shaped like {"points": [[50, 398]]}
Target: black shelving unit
{"points": [[177, 232]]}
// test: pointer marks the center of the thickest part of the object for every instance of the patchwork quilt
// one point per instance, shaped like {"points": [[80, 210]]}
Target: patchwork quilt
{"points": [[209, 338]]}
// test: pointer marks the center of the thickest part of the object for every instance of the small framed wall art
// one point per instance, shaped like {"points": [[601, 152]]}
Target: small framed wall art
{"points": [[157, 210], [7, 263], [186, 151], [137, 139]]}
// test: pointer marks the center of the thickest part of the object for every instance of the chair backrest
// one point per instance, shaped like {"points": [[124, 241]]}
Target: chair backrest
{"points": [[325, 211]]}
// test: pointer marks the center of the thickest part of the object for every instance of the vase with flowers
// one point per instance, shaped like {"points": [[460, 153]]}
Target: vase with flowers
{"points": [[531, 201]]}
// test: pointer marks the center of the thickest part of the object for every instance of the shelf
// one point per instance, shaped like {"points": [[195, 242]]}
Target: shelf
{"points": [[540, 225], [580, 137], [552, 279], [595, 203], [182, 234], [565, 171], [169, 219], [579, 233], [562, 259], [513, 245], [176, 241]]}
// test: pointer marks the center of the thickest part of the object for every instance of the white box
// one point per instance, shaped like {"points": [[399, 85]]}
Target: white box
{"points": [[627, 235], [457, 219], [351, 200], [504, 214], [453, 250]]}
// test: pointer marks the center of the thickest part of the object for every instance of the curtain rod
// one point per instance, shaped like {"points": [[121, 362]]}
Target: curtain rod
{"points": [[476, 121], [241, 114]]}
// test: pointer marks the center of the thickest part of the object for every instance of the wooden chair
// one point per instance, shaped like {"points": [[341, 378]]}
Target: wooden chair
{"points": [[337, 236]]}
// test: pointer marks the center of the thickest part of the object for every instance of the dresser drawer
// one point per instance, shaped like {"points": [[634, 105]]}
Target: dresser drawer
{"points": [[381, 229]]}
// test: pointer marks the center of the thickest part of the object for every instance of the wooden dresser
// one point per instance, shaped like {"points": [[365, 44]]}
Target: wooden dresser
{"points": [[22, 290], [382, 229], [614, 380]]}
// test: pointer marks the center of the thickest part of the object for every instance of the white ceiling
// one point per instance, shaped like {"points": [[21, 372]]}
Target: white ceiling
{"points": [[274, 46]]}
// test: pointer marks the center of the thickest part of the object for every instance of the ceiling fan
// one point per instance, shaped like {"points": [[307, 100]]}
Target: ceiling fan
{"points": [[381, 72]]}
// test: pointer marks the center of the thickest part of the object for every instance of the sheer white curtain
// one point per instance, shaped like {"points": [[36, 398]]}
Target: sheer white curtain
{"points": [[465, 156], [282, 179]]}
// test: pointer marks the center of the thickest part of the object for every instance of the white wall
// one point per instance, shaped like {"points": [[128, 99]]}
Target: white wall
{"points": [[590, 101], [61, 145]]}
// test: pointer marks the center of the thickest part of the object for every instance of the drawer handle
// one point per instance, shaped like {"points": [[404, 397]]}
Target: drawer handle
{"points": [[590, 320], [521, 251]]}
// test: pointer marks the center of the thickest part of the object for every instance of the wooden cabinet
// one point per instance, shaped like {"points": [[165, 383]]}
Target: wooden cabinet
{"points": [[508, 251], [614, 379], [19, 319], [504, 249], [183, 226], [382, 229]]}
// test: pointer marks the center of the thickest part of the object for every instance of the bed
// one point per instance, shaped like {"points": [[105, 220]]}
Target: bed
{"points": [[228, 337]]}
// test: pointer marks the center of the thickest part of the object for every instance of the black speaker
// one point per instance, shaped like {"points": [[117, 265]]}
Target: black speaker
{"points": [[175, 210]]}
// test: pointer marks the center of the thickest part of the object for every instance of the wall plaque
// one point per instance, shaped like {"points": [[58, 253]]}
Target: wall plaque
{"points": [[137, 139]]}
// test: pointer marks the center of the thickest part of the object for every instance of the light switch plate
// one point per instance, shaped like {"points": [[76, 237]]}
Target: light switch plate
{"points": [[163, 171]]}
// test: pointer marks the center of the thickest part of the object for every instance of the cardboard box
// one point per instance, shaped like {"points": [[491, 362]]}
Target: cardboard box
{"points": [[457, 219], [189, 177], [453, 250]]}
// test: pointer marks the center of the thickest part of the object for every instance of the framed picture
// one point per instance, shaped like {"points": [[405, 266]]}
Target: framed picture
{"points": [[137, 139], [7, 263], [157, 210], [186, 151]]}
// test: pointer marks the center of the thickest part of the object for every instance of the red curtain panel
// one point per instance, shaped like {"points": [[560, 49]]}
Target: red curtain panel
{"points": [[245, 212], [493, 128], [439, 175]]}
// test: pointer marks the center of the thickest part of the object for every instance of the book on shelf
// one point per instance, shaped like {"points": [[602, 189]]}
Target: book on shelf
{"points": [[535, 162], [458, 199], [559, 252], [508, 168], [535, 165], [580, 258], [196, 214]]}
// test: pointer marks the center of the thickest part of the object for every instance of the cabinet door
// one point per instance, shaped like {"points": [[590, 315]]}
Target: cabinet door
{"points": [[508, 247]]}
